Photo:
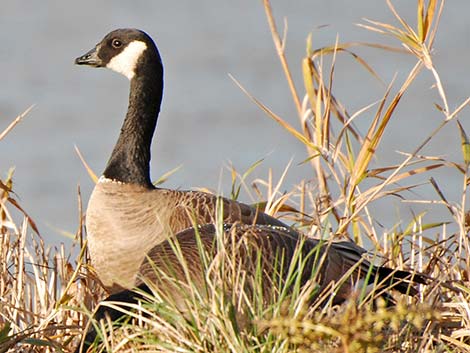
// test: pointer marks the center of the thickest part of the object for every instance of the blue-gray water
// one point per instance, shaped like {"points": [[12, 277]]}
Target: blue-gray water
{"points": [[206, 121]]}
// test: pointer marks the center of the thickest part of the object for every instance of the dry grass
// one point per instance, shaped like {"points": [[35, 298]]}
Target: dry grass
{"points": [[37, 284], [42, 291]]}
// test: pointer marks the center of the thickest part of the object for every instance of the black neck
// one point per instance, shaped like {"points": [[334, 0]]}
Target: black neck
{"points": [[130, 160]]}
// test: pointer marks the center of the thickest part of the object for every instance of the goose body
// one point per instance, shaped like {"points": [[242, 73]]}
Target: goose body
{"points": [[126, 215]]}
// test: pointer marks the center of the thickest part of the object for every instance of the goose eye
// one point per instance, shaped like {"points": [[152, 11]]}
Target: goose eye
{"points": [[116, 43]]}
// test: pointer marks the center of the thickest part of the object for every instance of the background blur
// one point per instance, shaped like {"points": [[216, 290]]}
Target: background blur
{"points": [[206, 121]]}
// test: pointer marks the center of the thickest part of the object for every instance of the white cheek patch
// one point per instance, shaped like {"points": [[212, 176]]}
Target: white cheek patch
{"points": [[125, 62]]}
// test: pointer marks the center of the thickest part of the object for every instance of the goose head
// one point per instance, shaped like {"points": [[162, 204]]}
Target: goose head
{"points": [[125, 51]]}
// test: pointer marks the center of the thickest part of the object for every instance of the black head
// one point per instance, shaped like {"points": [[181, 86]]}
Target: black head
{"points": [[122, 50]]}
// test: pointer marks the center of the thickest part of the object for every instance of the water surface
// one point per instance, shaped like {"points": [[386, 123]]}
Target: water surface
{"points": [[206, 121]]}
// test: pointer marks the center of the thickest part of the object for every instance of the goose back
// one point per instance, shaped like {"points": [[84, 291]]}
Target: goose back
{"points": [[276, 253]]}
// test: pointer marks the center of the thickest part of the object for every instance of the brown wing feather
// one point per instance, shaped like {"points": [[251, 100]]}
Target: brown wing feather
{"points": [[267, 247]]}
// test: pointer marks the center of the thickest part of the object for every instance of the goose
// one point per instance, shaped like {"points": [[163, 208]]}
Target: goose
{"points": [[130, 222], [266, 249], [126, 214]]}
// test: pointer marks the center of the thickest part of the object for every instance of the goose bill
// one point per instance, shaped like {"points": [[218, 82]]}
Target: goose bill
{"points": [[90, 58]]}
